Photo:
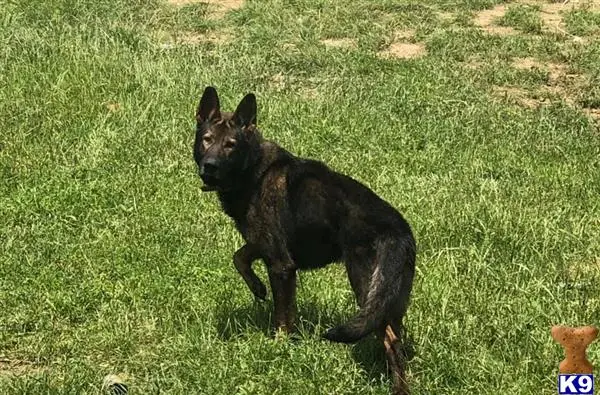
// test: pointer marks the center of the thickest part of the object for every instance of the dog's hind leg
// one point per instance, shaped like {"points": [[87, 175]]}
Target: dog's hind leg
{"points": [[242, 259], [388, 291], [395, 358], [359, 274]]}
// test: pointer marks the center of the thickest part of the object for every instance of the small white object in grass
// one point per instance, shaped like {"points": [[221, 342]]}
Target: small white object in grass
{"points": [[114, 384]]}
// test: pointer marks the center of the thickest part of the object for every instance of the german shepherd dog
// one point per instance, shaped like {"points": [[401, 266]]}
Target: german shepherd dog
{"points": [[298, 214]]}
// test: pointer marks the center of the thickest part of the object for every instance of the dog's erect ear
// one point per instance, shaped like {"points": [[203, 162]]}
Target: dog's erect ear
{"points": [[209, 107], [245, 114]]}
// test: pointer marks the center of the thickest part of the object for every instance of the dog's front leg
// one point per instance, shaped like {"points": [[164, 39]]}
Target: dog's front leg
{"points": [[283, 284], [242, 259]]}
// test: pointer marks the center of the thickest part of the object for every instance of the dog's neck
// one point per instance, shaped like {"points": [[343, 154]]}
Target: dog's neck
{"points": [[235, 202]]}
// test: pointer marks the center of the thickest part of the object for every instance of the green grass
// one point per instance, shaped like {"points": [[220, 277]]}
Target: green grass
{"points": [[112, 261], [583, 22], [523, 17]]}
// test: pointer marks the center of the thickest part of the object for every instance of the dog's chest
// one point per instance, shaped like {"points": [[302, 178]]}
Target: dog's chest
{"points": [[245, 214], [260, 213]]}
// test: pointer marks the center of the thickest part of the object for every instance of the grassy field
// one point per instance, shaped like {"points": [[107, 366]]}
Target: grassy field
{"points": [[478, 120]]}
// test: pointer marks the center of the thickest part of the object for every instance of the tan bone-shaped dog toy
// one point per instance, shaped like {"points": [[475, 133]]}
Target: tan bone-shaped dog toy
{"points": [[575, 342]]}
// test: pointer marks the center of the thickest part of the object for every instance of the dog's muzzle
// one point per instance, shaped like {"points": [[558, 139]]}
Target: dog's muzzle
{"points": [[208, 174]]}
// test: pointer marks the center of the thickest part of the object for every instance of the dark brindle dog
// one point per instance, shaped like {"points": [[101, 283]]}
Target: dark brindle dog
{"points": [[298, 214]]}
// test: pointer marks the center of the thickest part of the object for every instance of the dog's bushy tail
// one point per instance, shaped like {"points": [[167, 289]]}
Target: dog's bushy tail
{"points": [[389, 290]]}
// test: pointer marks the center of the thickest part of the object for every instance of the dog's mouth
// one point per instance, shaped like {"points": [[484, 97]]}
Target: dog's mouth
{"points": [[207, 188], [210, 183]]}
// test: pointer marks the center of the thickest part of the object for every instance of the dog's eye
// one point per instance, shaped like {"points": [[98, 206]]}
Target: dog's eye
{"points": [[229, 144], [207, 140]]}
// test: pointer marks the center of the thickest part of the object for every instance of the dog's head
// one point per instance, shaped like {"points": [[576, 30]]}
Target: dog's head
{"points": [[226, 143]]}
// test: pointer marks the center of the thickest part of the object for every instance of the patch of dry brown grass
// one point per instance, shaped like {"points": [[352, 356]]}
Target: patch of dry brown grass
{"points": [[347, 43], [217, 8]]}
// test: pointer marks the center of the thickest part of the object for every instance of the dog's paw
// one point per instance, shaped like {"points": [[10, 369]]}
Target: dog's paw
{"points": [[281, 334]]}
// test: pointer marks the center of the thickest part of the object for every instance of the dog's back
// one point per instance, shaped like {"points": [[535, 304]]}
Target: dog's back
{"points": [[331, 217], [347, 213]]}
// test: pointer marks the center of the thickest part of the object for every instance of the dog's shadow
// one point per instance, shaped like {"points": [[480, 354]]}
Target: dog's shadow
{"points": [[368, 353]]}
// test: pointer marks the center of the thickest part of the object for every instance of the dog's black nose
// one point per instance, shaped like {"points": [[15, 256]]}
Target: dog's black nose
{"points": [[209, 167]]}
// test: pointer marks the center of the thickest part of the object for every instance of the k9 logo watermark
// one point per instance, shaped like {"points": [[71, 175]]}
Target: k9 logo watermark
{"points": [[575, 384], [575, 371]]}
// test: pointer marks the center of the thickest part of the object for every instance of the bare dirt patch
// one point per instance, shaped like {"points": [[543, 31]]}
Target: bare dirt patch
{"points": [[446, 16], [402, 47], [347, 43], [16, 367], [278, 81], [489, 17], [401, 50], [217, 8], [221, 7], [305, 88], [309, 93], [486, 21], [526, 64], [197, 38], [500, 30], [474, 64], [172, 39], [557, 73], [584, 269], [516, 95], [402, 35], [561, 84], [225, 4], [559, 92], [595, 114], [190, 38], [552, 18], [551, 14], [588, 5], [551, 11], [112, 106], [290, 48], [179, 3]]}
